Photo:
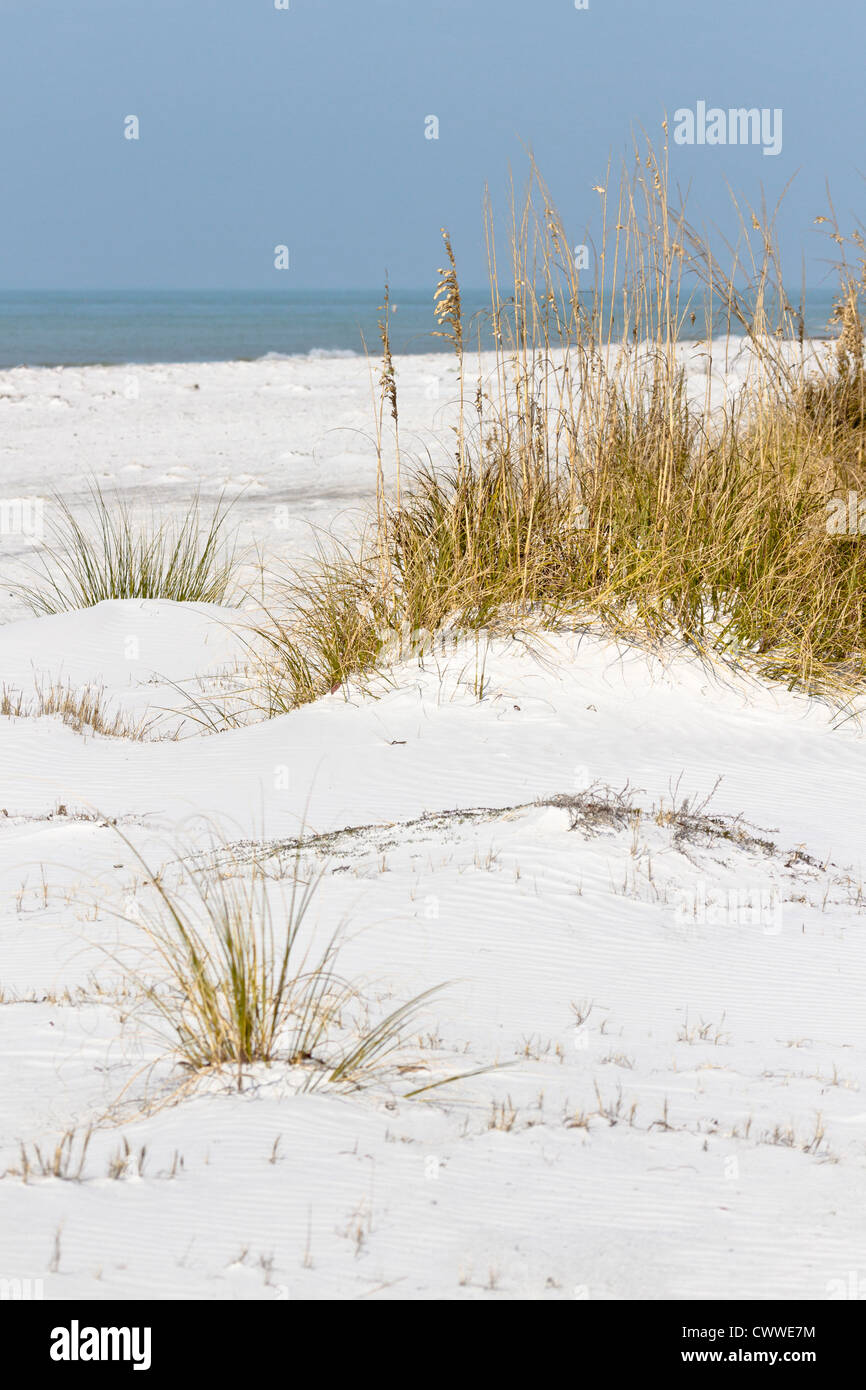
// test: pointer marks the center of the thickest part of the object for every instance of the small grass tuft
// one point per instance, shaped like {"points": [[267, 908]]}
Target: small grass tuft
{"points": [[102, 551]]}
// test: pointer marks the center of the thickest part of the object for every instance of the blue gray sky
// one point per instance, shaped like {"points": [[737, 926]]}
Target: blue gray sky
{"points": [[306, 127]]}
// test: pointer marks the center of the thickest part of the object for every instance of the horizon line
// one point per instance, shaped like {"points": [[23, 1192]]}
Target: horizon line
{"points": [[266, 289]]}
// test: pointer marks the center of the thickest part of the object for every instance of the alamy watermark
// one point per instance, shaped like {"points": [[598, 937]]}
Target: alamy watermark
{"points": [[846, 516], [21, 1290], [736, 907], [852, 1286], [77, 1343], [739, 125], [22, 516]]}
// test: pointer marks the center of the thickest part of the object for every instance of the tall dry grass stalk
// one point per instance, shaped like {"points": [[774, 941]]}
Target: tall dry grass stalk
{"points": [[591, 485]]}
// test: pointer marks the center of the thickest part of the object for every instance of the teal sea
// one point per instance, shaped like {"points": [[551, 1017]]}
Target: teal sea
{"points": [[54, 328]]}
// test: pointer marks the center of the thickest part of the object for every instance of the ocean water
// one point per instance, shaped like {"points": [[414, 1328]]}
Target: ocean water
{"points": [[51, 328]]}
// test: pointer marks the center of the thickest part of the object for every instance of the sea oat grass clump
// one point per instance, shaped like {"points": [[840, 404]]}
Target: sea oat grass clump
{"points": [[594, 483]]}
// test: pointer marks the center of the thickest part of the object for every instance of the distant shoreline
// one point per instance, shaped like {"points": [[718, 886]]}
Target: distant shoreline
{"points": [[40, 328], [314, 355]]}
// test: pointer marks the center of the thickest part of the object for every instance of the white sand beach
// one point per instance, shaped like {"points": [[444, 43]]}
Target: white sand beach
{"points": [[658, 1017]]}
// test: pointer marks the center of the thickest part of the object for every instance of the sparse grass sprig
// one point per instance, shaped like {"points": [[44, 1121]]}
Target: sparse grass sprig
{"points": [[234, 978], [81, 708]]}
